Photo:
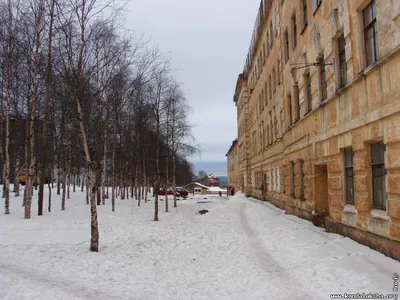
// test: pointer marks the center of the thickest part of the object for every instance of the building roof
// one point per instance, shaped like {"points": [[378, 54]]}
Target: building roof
{"points": [[198, 184], [232, 146]]}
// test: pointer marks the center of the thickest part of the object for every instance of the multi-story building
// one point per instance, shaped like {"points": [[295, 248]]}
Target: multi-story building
{"points": [[233, 166], [318, 108]]}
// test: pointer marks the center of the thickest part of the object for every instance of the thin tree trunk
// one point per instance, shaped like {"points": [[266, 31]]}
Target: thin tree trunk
{"points": [[64, 188], [49, 207], [166, 184], [34, 94], [103, 182], [83, 183], [69, 175], [8, 109], [73, 188], [113, 172], [46, 111], [174, 178], [113, 169], [16, 179], [58, 179], [50, 187], [87, 193]]}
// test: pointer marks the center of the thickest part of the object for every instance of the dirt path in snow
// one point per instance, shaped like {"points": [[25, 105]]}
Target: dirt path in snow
{"points": [[278, 277]]}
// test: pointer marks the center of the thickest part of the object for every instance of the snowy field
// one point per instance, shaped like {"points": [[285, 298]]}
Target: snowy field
{"points": [[241, 249]]}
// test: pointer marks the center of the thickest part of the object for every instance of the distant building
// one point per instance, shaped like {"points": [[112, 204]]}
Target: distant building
{"points": [[233, 166], [196, 188], [210, 180]]}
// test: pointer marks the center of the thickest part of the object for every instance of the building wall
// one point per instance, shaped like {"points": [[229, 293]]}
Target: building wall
{"points": [[233, 166], [297, 151]]}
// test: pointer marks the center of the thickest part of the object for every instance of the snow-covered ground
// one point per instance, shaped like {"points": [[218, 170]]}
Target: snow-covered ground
{"points": [[241, 249]]}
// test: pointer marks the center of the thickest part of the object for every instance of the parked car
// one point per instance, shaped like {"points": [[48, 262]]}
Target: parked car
{"points": [[22, 180], [184, 193], [162, 192]]}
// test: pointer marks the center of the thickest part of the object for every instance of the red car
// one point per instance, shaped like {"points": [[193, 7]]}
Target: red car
{"points": [[161, 192]]}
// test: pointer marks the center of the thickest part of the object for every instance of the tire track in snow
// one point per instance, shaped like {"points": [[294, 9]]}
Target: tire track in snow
{"points": [[279, 278]]}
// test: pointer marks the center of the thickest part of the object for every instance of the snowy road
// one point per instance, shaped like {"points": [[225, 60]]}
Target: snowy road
{"points": [[241, 249]]}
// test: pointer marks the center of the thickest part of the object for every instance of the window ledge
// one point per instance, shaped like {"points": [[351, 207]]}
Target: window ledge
{"points": [[350, 208], [380, 214]]}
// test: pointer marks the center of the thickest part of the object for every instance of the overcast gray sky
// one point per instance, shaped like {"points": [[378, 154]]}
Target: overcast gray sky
{"points": [[208, 41]]}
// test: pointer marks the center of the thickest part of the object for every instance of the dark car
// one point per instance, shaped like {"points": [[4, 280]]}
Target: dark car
{"points": [[184, 193]]}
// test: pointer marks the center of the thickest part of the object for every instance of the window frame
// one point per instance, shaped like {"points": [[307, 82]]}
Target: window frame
{"points": [[294, 31], [308, 84], [270, 86], [302, 187], [274, 80], [305, 13], [366, 28], [278, 71], [322, 78], [293, 180], [271, 34], [375, 166], [342, 60], [347, 169], [286, 47]]}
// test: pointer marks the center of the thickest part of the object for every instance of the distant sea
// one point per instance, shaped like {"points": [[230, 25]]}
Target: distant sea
{"points": [[218, 168]]}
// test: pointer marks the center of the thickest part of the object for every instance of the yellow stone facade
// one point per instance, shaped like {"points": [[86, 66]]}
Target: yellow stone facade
{"points": [[233, 168], [322, 77]]}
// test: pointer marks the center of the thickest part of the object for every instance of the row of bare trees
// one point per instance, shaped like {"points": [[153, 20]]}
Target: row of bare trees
{"points": [[84, 102]]}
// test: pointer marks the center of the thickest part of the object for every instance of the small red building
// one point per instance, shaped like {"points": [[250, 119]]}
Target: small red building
{"points": [[211, 180]]}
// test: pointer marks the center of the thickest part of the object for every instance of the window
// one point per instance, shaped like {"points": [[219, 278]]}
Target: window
{"points": [[262, 135], [289, 103], [286, 46], [322, 76], [297, 107], [274, 80], [370, 33], [271, 34], [342, 61], [270, 86], [263, 53], [305, 13], [278, 177], [379, 175], [301, 180], [309, 95], [270, 180], [272, 130], [273, 179], [316, 4], [292, 177], [294, 32], [279, 72], [348, 165], [254, 142]]}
